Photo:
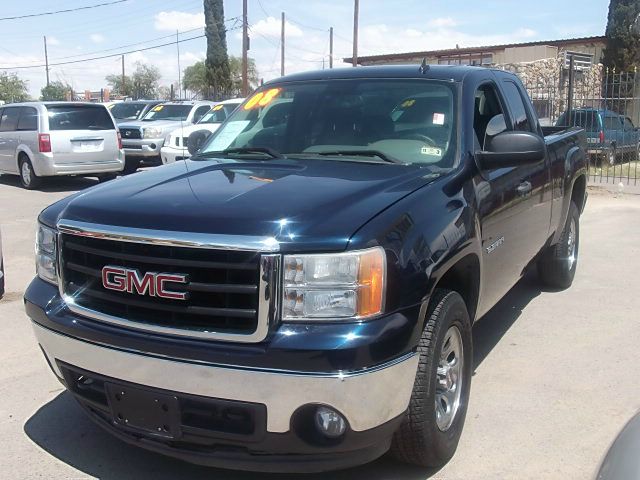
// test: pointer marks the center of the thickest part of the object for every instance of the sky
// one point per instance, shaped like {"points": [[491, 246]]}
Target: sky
{"points": [[386, 26]]}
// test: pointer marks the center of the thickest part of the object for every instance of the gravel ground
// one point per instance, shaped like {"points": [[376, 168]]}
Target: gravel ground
{"points": [[555, 372]]}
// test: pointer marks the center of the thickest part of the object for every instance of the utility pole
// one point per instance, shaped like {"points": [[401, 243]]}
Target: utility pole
{"points": [[356, 8], [179, 79], [123, 87], [282, 47], [46, 59], [331, 47], [245, 48]]}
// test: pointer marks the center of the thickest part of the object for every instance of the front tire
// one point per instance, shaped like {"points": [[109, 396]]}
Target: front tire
{"points": [[28, 177], [432, 425], [557, 266]]}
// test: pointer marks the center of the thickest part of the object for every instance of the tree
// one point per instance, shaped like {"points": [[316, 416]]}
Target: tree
{"points": [[12, 88], [217, 61], [143, 83], [235, 65], [623, 44], [56, 90], [195, 77]]}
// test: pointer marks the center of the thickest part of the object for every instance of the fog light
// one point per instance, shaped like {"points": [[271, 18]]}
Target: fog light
{"points": [[329, 422]]}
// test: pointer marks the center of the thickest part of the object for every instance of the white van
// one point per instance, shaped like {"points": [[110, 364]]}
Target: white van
{"points": [[43, 139]]}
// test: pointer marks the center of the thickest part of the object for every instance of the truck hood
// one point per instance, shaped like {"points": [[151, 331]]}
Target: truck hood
{"points": [[164, 124], [306, 205], [185, 131]]}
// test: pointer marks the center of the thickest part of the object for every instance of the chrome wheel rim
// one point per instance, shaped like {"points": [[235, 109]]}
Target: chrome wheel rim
{"points": [[571, 243], [612, 157], [449, 379], [26, 173]]}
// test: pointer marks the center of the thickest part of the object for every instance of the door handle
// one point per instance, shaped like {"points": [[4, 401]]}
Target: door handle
{"points": [[524, 188]]}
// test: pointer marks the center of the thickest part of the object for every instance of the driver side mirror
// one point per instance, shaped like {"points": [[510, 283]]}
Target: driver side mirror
{"points": [[511, 149]]}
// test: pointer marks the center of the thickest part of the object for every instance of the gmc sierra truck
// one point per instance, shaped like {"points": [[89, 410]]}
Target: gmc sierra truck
{"points": [[299, 295]]}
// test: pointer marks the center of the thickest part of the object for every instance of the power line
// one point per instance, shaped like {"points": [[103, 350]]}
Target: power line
{"points": [[54, 12], [306, 26], [104, 56]]}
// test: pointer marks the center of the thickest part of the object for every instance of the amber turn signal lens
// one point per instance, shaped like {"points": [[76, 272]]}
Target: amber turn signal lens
{"points": [[371, 277]]}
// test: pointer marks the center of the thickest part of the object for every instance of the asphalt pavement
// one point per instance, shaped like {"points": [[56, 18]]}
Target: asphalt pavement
{"points": [[556, 373]]}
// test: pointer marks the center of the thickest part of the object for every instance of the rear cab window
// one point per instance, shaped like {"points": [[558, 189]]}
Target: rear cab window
{"points": [[79, 117]]}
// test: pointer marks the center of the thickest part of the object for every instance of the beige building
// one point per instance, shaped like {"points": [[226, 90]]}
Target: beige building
{"points": [[592, 47]]}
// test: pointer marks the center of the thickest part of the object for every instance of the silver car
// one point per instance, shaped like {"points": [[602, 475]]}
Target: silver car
{"points": [[44, 139], [143, 139]]}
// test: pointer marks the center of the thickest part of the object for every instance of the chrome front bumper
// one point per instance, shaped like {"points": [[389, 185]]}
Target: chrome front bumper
{"points": [[146, 147], [366, 398]]}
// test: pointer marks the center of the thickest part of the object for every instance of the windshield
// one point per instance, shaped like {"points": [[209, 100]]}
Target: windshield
{"points": [[218, 113], [168, 112], [409, 121], [126, 110]]}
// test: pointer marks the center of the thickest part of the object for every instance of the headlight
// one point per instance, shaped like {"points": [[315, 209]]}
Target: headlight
{"points": [[150, 132], [46, 253], [334, 286]]}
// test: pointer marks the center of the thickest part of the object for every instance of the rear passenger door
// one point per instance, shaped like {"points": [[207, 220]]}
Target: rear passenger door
{"points": [[28, 129], [9, 139]]}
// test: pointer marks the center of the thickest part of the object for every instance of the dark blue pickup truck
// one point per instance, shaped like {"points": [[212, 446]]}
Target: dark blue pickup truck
{"points": [[299, 295]]}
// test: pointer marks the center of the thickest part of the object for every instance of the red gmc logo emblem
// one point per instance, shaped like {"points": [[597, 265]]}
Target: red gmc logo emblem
{"points": [[153, 284]]}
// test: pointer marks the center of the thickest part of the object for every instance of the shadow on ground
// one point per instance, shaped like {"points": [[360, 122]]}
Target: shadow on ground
{"points": [[62, 429], [53, 184]]}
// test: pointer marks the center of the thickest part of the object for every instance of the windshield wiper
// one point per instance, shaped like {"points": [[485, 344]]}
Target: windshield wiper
{"points": [[360, 153], [264, 150]]}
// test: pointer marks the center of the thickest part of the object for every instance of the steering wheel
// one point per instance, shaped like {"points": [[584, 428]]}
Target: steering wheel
{"points": [[419, 137]]}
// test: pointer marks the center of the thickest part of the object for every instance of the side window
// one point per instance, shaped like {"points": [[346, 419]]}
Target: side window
{"points": [[516, 104], [200, 111], [28, 119], [487, 107], [9, 119]]}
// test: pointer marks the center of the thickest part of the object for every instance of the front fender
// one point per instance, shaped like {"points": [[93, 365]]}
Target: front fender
{"points": [[423, 235]]}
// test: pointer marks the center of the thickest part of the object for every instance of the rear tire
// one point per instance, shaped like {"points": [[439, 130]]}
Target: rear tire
{"points": [[430, 431], [106, 177], [557, 266], [612, 155], [28, 177], [130, 165]]}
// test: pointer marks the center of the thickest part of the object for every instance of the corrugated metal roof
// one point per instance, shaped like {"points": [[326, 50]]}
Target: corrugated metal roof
{"points": [[482, 49]]}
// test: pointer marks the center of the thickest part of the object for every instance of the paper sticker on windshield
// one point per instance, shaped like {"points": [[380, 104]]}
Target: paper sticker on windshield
{"points": [[158, 108], [438, 118], [217, 107], [227, 135], [407, 103], [437, 152], [262, 99]]}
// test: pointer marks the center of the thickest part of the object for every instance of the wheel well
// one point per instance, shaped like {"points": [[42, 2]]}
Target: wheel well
{"points": [[464, 278], [577, 194], [22, 156]]}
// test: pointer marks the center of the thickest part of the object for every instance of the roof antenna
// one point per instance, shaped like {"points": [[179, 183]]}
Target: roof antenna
{"points": [[424, 68]]}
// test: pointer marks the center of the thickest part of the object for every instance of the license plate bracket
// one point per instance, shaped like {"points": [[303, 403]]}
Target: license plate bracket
{"points": [[144, 410]]}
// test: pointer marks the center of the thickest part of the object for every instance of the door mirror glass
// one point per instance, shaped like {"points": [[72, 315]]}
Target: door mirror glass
{"points": [[495, 126], [511, 149]]}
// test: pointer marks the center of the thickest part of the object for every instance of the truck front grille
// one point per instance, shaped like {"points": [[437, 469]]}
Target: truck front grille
{"points": [[130, 133], [222, 285]]}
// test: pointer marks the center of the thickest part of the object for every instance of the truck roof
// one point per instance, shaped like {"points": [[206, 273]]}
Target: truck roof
{"points": [[454, 73]]}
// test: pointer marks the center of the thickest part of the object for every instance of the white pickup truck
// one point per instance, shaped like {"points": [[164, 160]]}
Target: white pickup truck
{"points": [[175, 148]]}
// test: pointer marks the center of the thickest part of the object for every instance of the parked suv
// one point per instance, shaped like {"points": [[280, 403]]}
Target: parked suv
{"points": [[43, 139], [131, 110], [175, 148], [144, 138], [610, 136]]}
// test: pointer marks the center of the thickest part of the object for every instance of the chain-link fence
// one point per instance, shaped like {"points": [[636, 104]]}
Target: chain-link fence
{"points": [[603, 102]]}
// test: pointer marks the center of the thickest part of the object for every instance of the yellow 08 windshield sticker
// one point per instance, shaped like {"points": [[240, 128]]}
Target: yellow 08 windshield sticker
{"points": [[158, 108], [217, 107], [262, 99]]}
